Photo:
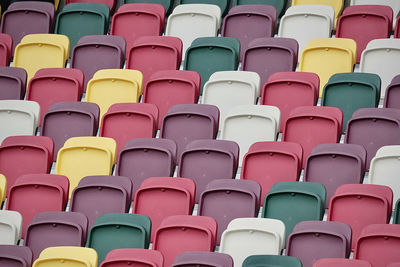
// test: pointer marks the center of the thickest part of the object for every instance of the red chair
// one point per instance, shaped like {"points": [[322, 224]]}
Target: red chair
{"points": [[136, 256], [333, 262], [6, 44], [109, 3]]}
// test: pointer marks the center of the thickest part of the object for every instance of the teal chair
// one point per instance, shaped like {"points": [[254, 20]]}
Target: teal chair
{"points": [[271, 261], [280, 5]]}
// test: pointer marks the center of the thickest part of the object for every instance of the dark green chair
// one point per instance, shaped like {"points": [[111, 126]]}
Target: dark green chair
{"points": [[396, 213], [293, 202], [166, 3], [79, 19], [280, 5], [271, 261], [119, 230], [223, 4], [351, 91], [207, 55]]}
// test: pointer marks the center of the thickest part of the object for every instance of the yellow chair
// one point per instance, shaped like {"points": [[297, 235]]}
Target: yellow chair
{"points": [[110, 86], [328, 56], [84, 156], [37, 51], [67, 257], [3, 188]]}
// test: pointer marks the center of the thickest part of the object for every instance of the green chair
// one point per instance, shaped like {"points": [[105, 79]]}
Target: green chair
{"points": [[119, 230], [280, 5], [271, 261], [80, 19], [396, 213], [207, 55], [223, 4], [351, 91], [293, 202], [166, 3]]}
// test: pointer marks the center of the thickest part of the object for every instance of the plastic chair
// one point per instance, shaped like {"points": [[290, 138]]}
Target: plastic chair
{"points": [[334, 165], [391, 94], [166, 3], [109, 3], [132, 21], [145, 257], [160, 197], [5, 49], [146, 157], [336, 4], [252, 236], [206, 160], [228, 199], [395, 5], [360, 205], [171, 87], [270, 162], [271, 260], [70, 228], [126, 121], [10, 227], [13, 255], [67, 255], [3, 188], [249, 22], [95, 52], [266, 56], [293, 202], [331, 262], [119, 230], [187, 122], [373, 128], [203, 258], [278, 4], [12, 83], [302, 87]]}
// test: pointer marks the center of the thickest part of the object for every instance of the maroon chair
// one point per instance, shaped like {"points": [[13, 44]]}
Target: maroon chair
{"points": [[6, 43], [12, 83], [15, 256], [203, 258], [332, 262], [392, 94], [109, 3]]}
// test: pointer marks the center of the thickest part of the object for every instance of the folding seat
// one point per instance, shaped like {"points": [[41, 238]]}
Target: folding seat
{"points": [[248, 124], [109, 3], [394, 4], [35, 193], [203, 258], [373, 128], [95, 52], [67, 256], [207, 160], [192, 21], [127, 256], [207, 55], [302, 87], [271, 260], [135, 20], [228, 199], [85, 156], [126, 121], [310, 126], [227, 89], [5, 49], [160, 197], [10, 227], [380, 57], [69, 228], [13, 255], [12, 83], [171, 87], [21, 155], [270, 162], [307, 22], [187, 122], [360, 205], [391, 94], [252, 236], [110, 86], [351, 91], [336, 4], [334, 165], [249, 22], [327, 56], [293, 202], [331, 262], [27, 17], [176, 234], [167, 4], [119, 230], [38, 51], [278, 4], [79, 19], [354, 21], [64, 120], [269, 55], [3, 188], [378, 244]]}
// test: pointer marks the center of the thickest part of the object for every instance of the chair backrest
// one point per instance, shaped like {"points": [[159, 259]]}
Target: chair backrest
{"points": [[336, 4], [13, 255], [278, 4], [203, 258], [391, 94], [10, 227], [71, 255], [330, 262], [391, 3], [109, 3], [271, 260], [12, 83], [168, 4], [144, 257], [5, 49]]}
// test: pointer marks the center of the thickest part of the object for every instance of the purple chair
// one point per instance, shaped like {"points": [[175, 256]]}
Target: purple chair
{"points": [[392, 94], [146, 157], [95, 52], [15, 256], [335, 164], [187, 122], [373, 128], [69, 119], [333, 262], [228, 199], [69, 228], [203, 258], [269, 55], [206, 160], [313, 240], [96, 195], [249, 22], [12, 83]]}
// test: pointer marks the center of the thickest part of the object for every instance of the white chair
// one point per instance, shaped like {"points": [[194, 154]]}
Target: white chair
{"points": [[10, 227]]}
